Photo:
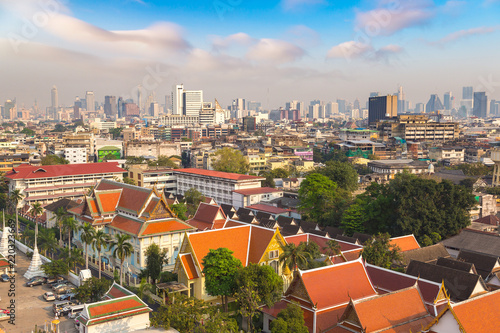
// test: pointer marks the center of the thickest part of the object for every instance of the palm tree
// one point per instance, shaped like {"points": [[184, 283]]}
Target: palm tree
{"points": [[36, 210], [122, 251], [15, 197], [143, 287], [73, 257], [59, 217], [293, 255], [101, 239], [87, 236], [332, 247], [48, 241], [70, 225]]}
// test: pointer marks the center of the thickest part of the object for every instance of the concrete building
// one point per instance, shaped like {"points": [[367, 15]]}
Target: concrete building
{"points": [[382, 107], [177, 99], [453, 154], [81, 140], [152, 148], [110, 106], [49, 183], [90, 101], [480, 105], [76, 155], [215, 184], [158, 177], [398, 166], [192, 103], [418, 128]]}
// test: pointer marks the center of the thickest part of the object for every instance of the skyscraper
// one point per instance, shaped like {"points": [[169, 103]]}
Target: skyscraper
{"points": [[192, 102], [448, 100], [381, 107], [467, 92], [342, 105], [90, 101], [255, 106], [374, 94], [494, 108], [434, 104], [401, 100], [9, 110], [139, 97], [54, 98], [480, 105], [356, 104], [177, 99], [110, 107], [331, 108]]}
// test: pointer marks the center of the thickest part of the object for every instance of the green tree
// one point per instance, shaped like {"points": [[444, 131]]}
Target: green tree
{"points": [[100, 241], [55, 268], [354, 218], [122, 250], [87, 237], [316, 195], [129, 181], [59, 128], [28, 131], [15, 197], [294, 256], [257, 285], [180, 210], [35, 211], [53, 160], [73, 257], [155, 259], [47, 241], [70, 225], [188, 314], [230, 160], [341, 173], [193, 197], [378, 251], [290, 319], [269, 179], [332, 248], [220, 268], [279, 173], [92, 290], [116, 132], [163, 161], [59, 216]]}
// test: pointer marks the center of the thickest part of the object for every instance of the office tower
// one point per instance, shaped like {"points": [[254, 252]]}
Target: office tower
{"points": [[382, 107], [154, 109], [131, 109], [480, 105], [139, 97], [293, 105], [356, 104], [434, 104], [255, 106], [302, 109], [9, 110], [120, 107], [467, 92], [493, 108], [314, 111], [110, 108], [249, 124], [448, 100], [54, 98], [374, 94], [90, 101], [177, 99], [238, 104], [315, 102], [420, 108], [192, 102], [331, 108], [168, 104], [342, 105], [401, 100]]}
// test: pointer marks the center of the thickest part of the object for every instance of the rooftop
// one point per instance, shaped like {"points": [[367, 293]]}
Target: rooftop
{"points": [[218, 174]]}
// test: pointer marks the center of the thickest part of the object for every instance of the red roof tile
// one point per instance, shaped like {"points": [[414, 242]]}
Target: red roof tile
{"points": [[477, 314], [25, 171], [335, 285], [218, 174], [125, 224], [258, 190], [260, 239], [113, 306], [268, 209], [164, 226], [133, 198], [405, 243], [189, 266], [108, 200]]}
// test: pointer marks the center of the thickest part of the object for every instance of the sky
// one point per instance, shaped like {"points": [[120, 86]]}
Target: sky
{"points": [[267, 51]]}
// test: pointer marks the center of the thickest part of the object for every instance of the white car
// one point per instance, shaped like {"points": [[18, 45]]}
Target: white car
{"points": [[49, 296]]}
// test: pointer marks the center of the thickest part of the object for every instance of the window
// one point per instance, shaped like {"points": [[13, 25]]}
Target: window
{"points": [[138, 260], [273, 254]]}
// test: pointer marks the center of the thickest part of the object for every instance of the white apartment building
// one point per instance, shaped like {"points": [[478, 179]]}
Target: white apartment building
{"points": [[215, 184], [49, 183], [192, 102], [75, 155]]}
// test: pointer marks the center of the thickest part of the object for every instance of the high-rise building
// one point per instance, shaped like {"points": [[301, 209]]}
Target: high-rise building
{"points": [[314, 111], [249, 124], [448, 100], [480, 104], [131, 109], [168, 104], [356, 104], [401, 100], [331, 108], [154, 109], [177, 99], [293, 105], [420, 108], [494, 108], [467, 92], [90, 101], [255, 106], [121, 113], [434, 104], [110, 107], [192, 102], [342, 105], [382, 107], [54, 98], [9, 110], [374, 94]]}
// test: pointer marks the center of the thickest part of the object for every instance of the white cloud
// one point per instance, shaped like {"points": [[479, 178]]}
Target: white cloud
{"points": [[275, 51], [303, 36], [241, 38], [349, 50], [295, 4], [390, 18], [464, 33]]}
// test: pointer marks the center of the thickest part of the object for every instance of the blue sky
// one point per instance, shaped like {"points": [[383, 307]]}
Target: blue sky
{"points": [[293, 49]]}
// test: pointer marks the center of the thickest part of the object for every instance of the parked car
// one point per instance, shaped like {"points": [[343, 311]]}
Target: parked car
{"points": [[56, 280], [59, 285], [67, 296], [49, 296], [35, 281], [4, 278], [64, 290]]}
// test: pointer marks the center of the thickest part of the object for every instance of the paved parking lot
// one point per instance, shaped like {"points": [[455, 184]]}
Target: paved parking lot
{"points": [[31, 307]]}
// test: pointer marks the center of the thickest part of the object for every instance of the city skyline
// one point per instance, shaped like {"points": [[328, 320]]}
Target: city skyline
{"points": [[271, 52]]}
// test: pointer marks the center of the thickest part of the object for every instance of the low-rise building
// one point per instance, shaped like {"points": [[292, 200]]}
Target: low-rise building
{"points": [[398, 166], [76, 155], [453, 154], [160, 177], [252, 196]]}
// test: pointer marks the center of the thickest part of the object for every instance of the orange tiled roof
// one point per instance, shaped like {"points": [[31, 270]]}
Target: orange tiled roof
{"points": [[164, 226], [125, 224], [405, 243], [349, 280], [189, 266], [114, 306], [108, 200], [390, 310], [477, 314], [259, 241]]}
